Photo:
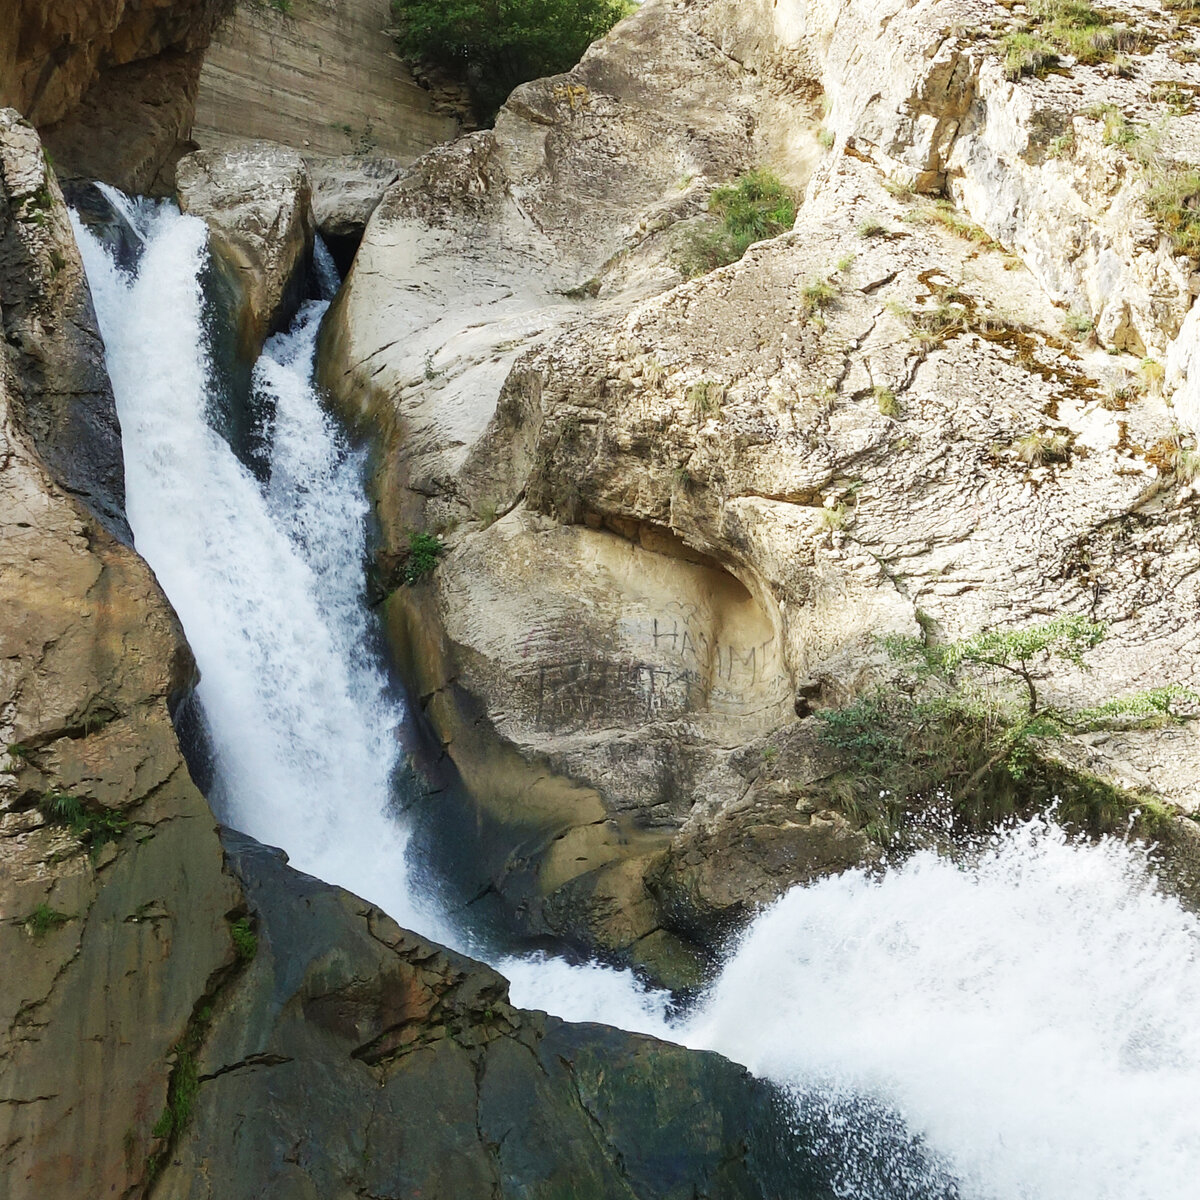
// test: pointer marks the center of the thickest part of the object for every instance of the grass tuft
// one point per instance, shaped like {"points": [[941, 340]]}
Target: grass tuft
{"points": [[755, 207]]}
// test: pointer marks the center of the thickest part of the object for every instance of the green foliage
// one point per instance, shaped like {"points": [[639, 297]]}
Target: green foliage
{"points": [[494, 45], [1026, 54], [934, 742], [1140, 710], [755, 207], [817, 295], [870, 227], [423, 552], [886, 402], [244, 940], [1024, 653], [705, 398], [43, 919], [181, 1094], [94, 827], [1174, 203]]}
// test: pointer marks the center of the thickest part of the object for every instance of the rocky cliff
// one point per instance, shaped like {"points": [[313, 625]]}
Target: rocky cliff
{"points": [[111, 84], [184, 1016], [678, 515], [321, 76]]}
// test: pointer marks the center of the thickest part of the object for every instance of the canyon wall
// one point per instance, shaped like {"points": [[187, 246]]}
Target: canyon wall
{"points": [[321, 76]]}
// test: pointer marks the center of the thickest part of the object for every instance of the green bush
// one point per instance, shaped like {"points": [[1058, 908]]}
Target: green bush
{"points": [[423, 552], [936, 742], [245, 943], [494, 45], [43, 919], [755, 207]]}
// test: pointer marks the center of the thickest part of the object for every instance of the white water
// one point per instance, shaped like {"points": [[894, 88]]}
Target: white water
{"points": [[267, 580], [1032, 1016]]}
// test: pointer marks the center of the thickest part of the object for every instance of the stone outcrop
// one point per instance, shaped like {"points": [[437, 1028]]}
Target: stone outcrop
{"points": [[111, 84], [321, 76], [347, 190], [65, 401], [257, 202], [354, 1058], [678, 515]]}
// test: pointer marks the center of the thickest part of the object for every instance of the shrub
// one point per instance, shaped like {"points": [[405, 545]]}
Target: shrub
{"points": [[705, 398], [94, 827], [1026, 54], [1036, 449], [755, 207], [886, 402], [245, 943], [934, 742], [494, 45], [1174, 203], [423, 552], [816, 295]]}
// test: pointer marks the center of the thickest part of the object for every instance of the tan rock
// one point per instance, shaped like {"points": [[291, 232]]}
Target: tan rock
{"points": [[257, 202], [113, 896], [320, 77]]}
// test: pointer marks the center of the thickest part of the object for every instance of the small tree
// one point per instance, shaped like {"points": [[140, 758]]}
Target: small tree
{"points": [[1025, 653]]}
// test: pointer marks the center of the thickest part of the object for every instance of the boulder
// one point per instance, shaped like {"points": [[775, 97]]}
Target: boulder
{"points": [[257, 202], [346, 190]]}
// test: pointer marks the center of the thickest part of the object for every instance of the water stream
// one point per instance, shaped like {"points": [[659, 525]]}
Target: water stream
{"points": [[1021, 1026]]}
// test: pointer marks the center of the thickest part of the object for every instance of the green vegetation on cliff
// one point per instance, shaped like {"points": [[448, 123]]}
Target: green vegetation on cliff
{"points": [[942, 739], [755, 207], [497, 44]]}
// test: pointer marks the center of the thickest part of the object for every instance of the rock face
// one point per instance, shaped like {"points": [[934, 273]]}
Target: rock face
{"points": [[111, 84], [65, 401], [257, 202], [181, 1017], [320, 76], [678, 515], [111, 872], [352, 1058]]}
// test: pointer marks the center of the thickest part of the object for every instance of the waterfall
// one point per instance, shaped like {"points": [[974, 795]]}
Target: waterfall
{"points": [[1016, 1025], [267, 579]]}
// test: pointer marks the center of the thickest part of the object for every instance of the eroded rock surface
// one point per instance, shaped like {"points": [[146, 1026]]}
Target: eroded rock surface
{"points": [[318, 76], [354, 1058], [113, 898], [111, 83], [257, 202], [678, 515]]}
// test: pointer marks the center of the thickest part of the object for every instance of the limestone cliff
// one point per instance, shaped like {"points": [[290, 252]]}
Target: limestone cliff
{"points": [[678, 514], [321, 76]]}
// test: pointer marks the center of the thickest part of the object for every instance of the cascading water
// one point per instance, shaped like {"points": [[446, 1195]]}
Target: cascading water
{"points": [[267, 580], [1017, 1027]]}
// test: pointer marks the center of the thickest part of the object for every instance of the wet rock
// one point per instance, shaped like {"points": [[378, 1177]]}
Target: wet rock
{"points": [[359, 1058], [257, 201]]}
